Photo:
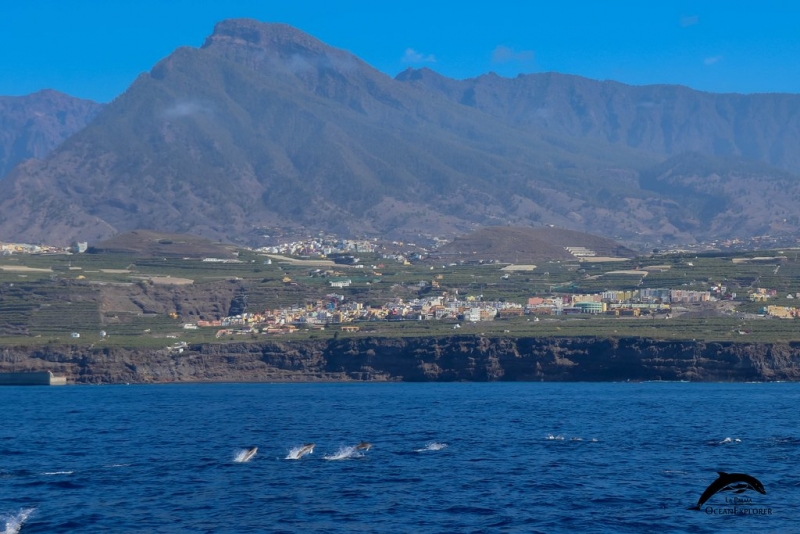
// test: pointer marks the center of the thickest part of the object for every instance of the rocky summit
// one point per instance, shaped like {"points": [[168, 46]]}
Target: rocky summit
{"points": [[265, 125]]}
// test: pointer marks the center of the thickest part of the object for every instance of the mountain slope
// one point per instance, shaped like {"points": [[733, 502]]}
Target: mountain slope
{"points": [[529, 245], [722, 197], [33, 125]]}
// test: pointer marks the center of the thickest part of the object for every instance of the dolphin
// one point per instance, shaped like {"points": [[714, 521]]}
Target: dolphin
{"points": [[364, 446], [248, 454], [299, 452], [735, 482]]}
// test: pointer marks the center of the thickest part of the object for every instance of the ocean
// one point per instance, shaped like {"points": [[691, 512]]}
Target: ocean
{"points": [[444, 457]]}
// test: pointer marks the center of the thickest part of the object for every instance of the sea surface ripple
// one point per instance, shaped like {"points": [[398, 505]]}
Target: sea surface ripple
{"points": [[463, 457]]}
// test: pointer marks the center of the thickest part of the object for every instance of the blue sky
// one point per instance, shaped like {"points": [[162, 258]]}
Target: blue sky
{"points": [[94, 49]]}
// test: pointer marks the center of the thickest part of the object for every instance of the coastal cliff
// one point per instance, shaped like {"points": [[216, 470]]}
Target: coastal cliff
{"points": [[454, 358]]}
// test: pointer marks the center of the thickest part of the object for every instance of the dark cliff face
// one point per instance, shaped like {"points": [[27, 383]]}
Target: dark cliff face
{"points": [[457, 358]]}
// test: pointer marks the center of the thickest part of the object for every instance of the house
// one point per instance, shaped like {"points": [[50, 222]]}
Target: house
{"points": [[473, 315], [782, 312]]}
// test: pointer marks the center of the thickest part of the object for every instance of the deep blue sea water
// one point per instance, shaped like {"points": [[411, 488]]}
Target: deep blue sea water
{"points": [[519, 457]]}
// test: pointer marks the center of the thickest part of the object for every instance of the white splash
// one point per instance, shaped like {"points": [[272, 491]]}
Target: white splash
{"points": [[298, 452], [14, 522], [241, 456], [58, 473], [729, 440], [554, 438], [345, 453], [433, 446]]}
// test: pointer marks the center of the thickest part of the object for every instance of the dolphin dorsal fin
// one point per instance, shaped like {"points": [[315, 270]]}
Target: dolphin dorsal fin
{"points": [[722, 473]]}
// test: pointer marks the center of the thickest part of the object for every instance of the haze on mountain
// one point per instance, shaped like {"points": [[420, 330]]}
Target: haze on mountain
{"points": [[265, 125], [31, 126]]}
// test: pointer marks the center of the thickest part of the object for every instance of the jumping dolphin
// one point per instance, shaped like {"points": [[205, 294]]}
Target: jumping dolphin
{"points": [[735, 482], [248, 454], [307, 448], [299, 452], [364, 446]]}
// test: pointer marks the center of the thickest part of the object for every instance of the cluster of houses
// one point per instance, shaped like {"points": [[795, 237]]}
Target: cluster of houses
{"points": [[7, 249], [617, 303], [334, 309], [762, 295], [320, 247], [782, 312]]}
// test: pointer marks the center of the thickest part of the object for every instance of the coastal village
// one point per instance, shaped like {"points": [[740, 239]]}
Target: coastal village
{"points": [[339, 311], [335, 310]]}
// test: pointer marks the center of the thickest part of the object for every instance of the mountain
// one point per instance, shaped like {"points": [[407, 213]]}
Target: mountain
{"points": [[266, 126], [663, 119], [32, 126]]}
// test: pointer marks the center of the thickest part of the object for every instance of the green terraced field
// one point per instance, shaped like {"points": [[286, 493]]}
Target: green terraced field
{"points": [[46, 306]]}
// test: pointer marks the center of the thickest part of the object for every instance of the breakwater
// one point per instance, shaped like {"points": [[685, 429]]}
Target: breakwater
{"points": [[452, 358]]}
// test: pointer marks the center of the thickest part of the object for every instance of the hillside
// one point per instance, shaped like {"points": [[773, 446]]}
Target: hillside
{"points": [[266, 126], [530, 245], [149, 244], [32, 126]]}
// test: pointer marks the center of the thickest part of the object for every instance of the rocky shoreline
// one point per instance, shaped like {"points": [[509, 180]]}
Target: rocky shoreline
{"points": [[443, 359]]}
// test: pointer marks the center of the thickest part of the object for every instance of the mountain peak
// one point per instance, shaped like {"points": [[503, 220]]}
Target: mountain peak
{"points": [[275, 47], [249, 32], [412, 74]]}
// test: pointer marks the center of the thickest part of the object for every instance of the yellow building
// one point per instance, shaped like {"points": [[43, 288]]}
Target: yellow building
{"points": [[782, 312]]}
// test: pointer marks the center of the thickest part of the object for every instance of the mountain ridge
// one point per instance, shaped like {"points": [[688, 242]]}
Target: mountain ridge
{"points": [[688, 117]]}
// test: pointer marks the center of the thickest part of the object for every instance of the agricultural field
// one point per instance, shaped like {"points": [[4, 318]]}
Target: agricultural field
{"points": [[139, 301]]}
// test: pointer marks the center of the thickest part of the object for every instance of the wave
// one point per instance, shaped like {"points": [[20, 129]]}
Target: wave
{"points": [[50, 473], [559, 437], [789, 440], [345, 453], [14, 522], [726, 441], [433, 446]]}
